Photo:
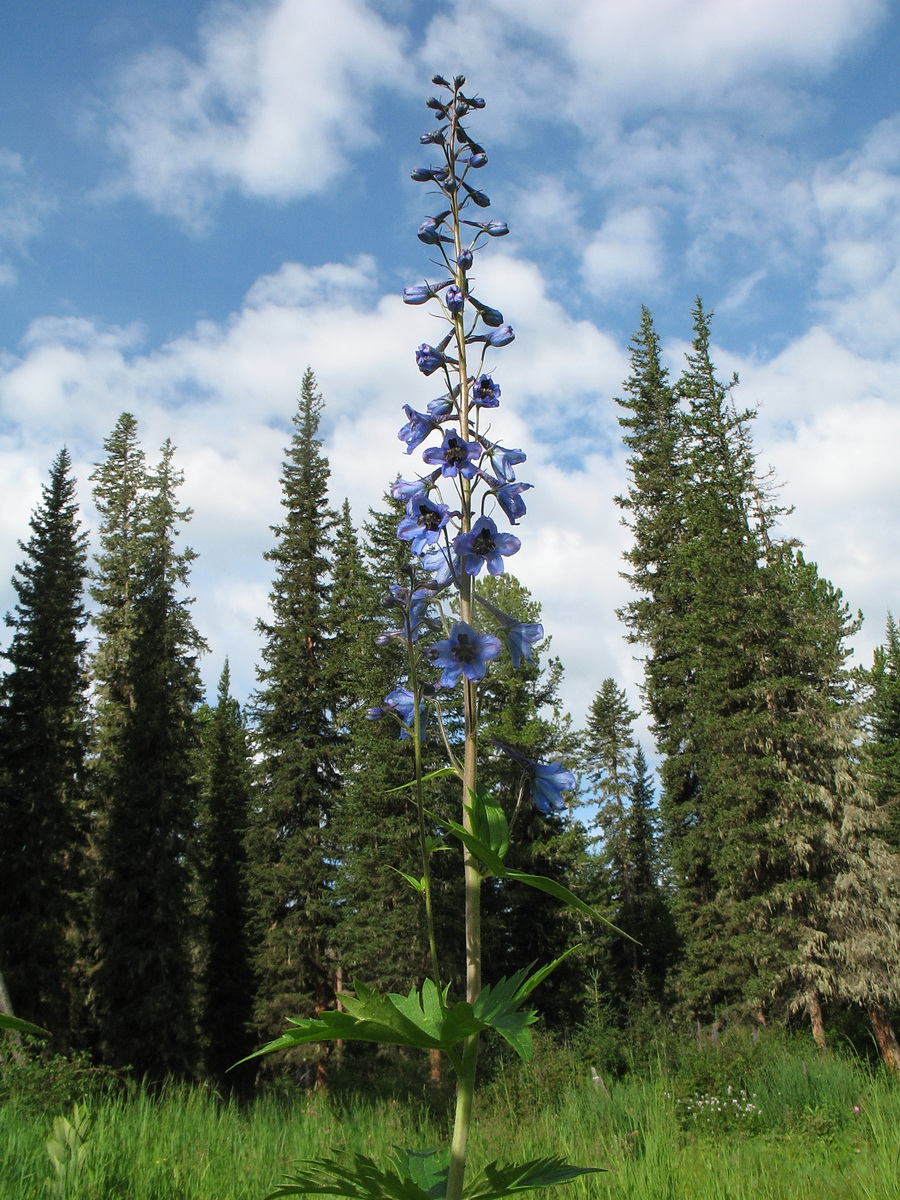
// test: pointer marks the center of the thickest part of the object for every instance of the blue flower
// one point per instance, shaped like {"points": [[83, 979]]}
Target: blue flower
{"points": [[464, 653], [548, 780], [464, 259], [476, 160], [422, 525], [434, 138], [417, 294], [497, 337], [490, 316], [416, 429], [454, 456], [402, 704], [441, 408], [429, 174], [503, 460], [485, 392], [407, 489], [509, 497], [428, 359], [477, 197], [520, 638], [484, 544], [443, 565]]}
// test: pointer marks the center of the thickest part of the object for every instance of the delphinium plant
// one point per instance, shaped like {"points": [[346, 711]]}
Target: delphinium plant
{"points": [[450, 526]]}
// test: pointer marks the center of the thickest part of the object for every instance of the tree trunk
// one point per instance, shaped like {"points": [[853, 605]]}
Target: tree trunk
{"points": [[14, 1036], [885, 1036], [815, 1019]]}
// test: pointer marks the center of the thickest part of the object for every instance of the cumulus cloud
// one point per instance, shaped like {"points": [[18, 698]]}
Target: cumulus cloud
{"points": [[584, 56], [277, 99], [626, 254], [857, 200], [225, 392]]}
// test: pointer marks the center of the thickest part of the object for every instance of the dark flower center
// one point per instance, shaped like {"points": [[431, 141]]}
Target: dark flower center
{"points": [[465, 650], [483, 544], [429, 519], [455, 452]]}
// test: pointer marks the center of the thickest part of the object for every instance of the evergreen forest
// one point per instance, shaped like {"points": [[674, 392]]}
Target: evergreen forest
{"points": [[180, 874]]}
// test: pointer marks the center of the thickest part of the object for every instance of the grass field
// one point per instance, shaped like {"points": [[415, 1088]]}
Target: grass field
{"points": [[794, 1126]]}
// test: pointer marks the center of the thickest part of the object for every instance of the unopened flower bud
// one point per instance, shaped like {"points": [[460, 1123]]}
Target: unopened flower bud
{"points": [[430, 234], [464, 260], [417, 294], [429, 174], [455, 299], [477, 197]]}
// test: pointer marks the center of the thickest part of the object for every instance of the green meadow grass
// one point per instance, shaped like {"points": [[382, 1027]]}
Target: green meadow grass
{"points": [[794, 1127]]}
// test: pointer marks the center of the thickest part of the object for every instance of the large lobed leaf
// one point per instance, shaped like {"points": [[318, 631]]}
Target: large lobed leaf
{"points": [[421, 1175], [507, 1179]]}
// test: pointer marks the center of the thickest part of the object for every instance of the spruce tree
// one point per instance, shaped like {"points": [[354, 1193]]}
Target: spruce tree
{"points": [[291, 867], [522, 709], [380, 928], [884, 729], [43, 742], [746, 684], [145, 779], [227, 980], [625, 870]]}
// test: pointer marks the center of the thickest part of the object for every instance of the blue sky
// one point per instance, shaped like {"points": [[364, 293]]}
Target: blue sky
{"points": [[199, 200]]}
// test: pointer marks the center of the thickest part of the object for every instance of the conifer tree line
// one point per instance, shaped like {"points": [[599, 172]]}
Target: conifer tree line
{"points": [[179, 876]]}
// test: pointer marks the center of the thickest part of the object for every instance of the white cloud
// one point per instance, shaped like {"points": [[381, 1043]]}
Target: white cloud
{"points": [[829, 425], [586, 57], [225, 394], [276, 101], [626, 254], [857, 199], [23, 208]]}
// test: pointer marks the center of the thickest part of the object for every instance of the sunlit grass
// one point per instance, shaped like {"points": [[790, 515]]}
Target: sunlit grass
{"points": [[822, 1128]]}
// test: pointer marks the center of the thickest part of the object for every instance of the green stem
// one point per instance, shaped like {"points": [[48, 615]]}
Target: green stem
{"points": [[420, 805], [465, 1093]]}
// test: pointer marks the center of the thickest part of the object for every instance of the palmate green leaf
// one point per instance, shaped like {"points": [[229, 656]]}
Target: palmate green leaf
{"points": [[363, 1179], [428, 1011], [428, 1169], [498, 1005], [20, 1026], [506, 1179], [420, 1019]]}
